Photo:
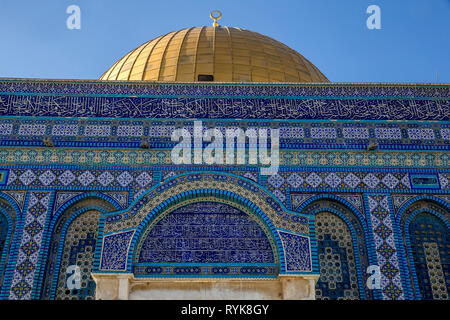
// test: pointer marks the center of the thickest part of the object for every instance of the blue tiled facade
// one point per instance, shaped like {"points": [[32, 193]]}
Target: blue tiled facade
{"points": [[429, 244], [86, 179]]}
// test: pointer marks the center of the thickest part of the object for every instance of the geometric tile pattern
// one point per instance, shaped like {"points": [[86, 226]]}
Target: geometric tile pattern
{"points": [[291, 178], [194, 89], [80, 178], [430, 246], [338, 278], [337, 223], [398, 200], [430, 217], [63, 197], [385, 247], [18, 196], [339, 179], [8, 224], [27, 259], [298, 199], [79, 248], [79, 234], [131, 133], [160, 157], [355, 199], [446, 198], [120, 197], [279, 182], [98, 130], [3, 233]]}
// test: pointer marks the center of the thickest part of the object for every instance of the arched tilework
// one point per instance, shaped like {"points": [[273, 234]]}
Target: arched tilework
{"points": [[73, 243], [424, 227], [122, 230], [205, 237], [337, 265], [198, 183], [8, 219], [79, 248], [4, 229], [430, 244], [342, 251]]}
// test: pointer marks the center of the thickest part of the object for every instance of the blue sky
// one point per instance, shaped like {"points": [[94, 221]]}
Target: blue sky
{"points": [[412, 46]]}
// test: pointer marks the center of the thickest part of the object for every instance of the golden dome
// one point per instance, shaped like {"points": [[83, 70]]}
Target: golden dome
{"points": [[214, 54]]}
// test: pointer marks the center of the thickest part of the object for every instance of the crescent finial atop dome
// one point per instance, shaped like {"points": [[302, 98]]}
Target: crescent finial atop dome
{"points": [[215, 18]]}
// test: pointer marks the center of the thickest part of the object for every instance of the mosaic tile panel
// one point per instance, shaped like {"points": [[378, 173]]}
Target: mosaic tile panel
{"points": [[18, 196], [3, 235], [298, 199], [105, 155], [344, 135], [297, 252], [206, 238], [398, 200], [115, 251], [8, 225], [202, 106], [355, 223], [336, 179], [77, 177], [79, 248], [30, 246], [430, 244], [337, 263], [246, 89], [152, 157], [208, 181], [206, 232], [385, 247], [79, 252]]}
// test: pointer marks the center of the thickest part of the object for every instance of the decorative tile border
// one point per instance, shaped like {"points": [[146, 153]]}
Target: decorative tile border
{"points": [[113, 133], [230, 107], [92, 87], [157, 157], [73, 178], [38, 204], [381, 222]]}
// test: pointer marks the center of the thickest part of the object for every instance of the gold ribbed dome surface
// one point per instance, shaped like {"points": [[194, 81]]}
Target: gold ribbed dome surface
{"points": [[228, 54]]}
